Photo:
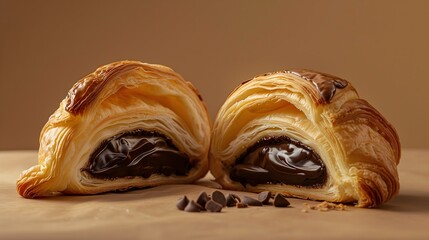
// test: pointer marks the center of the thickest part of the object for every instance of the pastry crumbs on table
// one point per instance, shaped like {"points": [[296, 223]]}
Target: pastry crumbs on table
{"points": [[324, 207]]}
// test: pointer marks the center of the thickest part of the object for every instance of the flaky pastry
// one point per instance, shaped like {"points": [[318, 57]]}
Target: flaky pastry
{"points": [[127, 125], [308, 135]]}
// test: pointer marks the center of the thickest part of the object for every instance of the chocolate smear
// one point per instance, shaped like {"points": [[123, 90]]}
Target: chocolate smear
{"points": [[326, 84]]}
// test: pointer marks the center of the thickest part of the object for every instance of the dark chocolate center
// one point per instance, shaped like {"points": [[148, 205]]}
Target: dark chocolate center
{"points": [[137, 153], [279, 160]]}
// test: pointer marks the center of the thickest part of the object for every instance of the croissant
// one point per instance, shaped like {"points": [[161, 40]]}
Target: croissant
{"points": [[127, 125], [308, 135]]}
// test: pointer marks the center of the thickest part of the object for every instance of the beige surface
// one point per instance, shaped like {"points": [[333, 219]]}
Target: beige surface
{"points": [[380, 46], [151, 213]]}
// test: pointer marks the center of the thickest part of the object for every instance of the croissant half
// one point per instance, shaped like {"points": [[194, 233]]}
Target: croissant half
{"points": [[127, 125], [305, 134]]}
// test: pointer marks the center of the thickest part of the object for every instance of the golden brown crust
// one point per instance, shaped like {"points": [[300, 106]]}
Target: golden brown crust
{"points": [[85, 90], [326, 84], [358, 145], [360, 110]]}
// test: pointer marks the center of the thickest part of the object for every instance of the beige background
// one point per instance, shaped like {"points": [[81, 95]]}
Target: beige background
{"points": [[380, 46]]}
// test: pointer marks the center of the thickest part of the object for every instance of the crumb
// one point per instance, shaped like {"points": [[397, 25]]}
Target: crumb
{"points": [[241, 205], [327, 206], [306, 208]]}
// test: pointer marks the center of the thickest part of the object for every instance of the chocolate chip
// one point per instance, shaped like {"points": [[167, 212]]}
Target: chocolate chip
{"points": [[182, 202], [193, 207], [264, 197], [241, 205], [203, 198], [232, 200], [280, 200], [217, 201], [218, 197], [251, 201], [213, 206]]}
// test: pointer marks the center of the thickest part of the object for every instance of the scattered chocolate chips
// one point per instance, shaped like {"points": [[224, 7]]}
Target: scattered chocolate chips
{"points": [[251, 201], [218, 197], [232, 200], [182, 203], [193, 207], [264, 197], [213, 206], [280, 201], [217, 201], [203, 198]]}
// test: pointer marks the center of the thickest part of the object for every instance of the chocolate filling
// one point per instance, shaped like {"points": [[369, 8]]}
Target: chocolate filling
{"points": [[137, 153], [279, 160]]}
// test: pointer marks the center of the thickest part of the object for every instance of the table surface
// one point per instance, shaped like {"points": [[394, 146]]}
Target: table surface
{"points": [[151, 213]]}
